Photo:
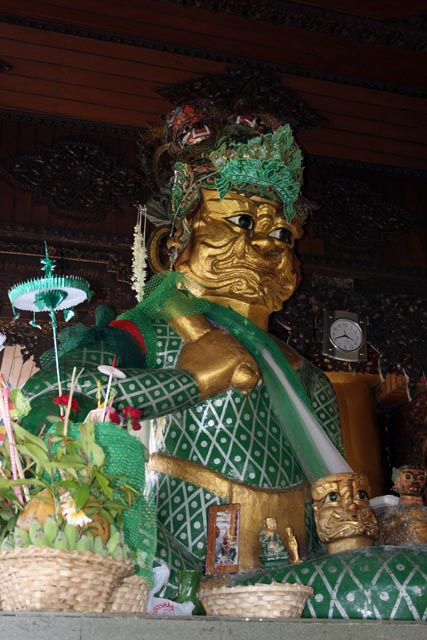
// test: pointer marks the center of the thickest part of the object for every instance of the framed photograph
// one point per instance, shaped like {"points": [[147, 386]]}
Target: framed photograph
{"points": [[222, 553]]}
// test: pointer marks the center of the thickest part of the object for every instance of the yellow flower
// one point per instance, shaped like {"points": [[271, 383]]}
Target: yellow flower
{"points": [[70, 513]]}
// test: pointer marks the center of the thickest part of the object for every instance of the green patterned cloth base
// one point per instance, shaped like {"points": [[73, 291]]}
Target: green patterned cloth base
{"points": [[380, 583]]}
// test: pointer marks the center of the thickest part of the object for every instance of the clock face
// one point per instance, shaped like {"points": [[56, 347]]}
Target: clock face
{"points": [[346, 334]]}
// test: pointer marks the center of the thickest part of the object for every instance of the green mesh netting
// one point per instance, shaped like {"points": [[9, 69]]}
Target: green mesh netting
{"points": [[168, 297], [121, 343]]}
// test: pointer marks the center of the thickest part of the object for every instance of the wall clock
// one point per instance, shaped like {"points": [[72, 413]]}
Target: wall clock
{"points": [[344, 336]]}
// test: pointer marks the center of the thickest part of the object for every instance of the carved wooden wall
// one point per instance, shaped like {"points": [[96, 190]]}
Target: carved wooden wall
{"points": [[75, 191]]}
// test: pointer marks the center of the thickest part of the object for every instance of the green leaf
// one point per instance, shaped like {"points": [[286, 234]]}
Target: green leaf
{"points": [[106, 514], [103, 483], [98, 455], [37, 454], [53, 419], [68, 484], [93, 450], [4, 484], [25, 435], [80, 495], [69, 460]]}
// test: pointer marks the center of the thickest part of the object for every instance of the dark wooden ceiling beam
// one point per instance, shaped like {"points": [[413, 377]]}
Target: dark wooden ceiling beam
{"points": [[212, 35]]}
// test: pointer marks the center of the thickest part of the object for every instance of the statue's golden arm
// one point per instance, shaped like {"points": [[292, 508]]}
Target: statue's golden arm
{"points": [[215, 358], [211, 361]]}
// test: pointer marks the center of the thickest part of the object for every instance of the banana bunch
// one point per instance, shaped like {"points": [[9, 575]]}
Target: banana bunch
{"points": [[67, 538]]}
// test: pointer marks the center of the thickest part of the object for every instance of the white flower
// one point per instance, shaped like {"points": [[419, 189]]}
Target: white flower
{"points": [[70, 513], [139, 255]]}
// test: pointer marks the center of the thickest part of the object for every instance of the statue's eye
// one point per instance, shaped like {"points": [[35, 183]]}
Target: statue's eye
{"points": [[331, 497], [408, 476], [283, 234], [243, 220], [361, 495]]}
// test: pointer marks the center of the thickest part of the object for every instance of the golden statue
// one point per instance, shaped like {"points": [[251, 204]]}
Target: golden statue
{"points": [[231, 408], [292, 546], [344, 519]]}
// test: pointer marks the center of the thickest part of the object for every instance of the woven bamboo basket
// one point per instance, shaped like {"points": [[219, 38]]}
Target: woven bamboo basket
{"points": [[130, 596], [274, 600], [41, 578]]}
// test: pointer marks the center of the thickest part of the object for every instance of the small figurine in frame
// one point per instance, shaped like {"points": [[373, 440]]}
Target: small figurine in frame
{"points": [[223, 539]]}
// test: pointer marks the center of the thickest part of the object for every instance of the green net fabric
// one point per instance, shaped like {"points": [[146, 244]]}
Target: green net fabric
{"points": [[119, 342], [168, 297]]}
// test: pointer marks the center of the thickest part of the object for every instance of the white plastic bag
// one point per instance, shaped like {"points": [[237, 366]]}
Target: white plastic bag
{"points": [[162, 606]]}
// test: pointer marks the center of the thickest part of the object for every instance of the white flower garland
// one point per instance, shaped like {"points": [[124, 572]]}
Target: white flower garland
{"points": [[139, 254]]}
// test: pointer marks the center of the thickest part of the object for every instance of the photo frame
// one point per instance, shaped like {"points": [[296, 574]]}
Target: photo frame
{"points": [[222, 553]]}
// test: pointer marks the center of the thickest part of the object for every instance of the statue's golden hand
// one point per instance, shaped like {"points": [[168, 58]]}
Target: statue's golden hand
{"points": [[218, 361]]}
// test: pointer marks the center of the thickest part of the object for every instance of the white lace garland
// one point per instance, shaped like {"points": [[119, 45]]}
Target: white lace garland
{"points": [[139, 254]]}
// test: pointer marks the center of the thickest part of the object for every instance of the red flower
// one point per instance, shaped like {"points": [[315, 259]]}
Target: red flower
{"points": [[135, 426], [63, 401], [131, 413], [113, 416]]}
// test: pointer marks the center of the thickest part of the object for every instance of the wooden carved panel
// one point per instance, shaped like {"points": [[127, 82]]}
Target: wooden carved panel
{"points": [[408, 433], [398, 33], [76, 178], [249, 89], [352, 215]]}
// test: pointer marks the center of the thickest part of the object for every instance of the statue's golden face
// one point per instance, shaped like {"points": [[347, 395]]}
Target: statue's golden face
{"points": [[241, 248], [341, 508]]}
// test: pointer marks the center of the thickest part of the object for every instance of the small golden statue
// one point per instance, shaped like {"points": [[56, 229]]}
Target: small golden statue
{"points": [[406, 523], [274, 551], [291, 543], [344, 519]]}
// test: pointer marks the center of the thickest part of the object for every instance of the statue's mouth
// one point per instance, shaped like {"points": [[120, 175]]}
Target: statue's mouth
{"points": [[196, 135], [413, 490]]}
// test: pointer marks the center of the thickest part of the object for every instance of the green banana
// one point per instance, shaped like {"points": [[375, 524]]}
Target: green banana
{"points": [[61, 541], [21, 537], [51, 529], [113, 541], [35, 528], [117, 554], [122, 552], [99, 547], [84, 543], [8, 543], [72, 534], [40, 539]]}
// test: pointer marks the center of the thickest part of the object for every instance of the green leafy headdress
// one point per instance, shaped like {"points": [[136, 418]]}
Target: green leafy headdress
{"points": [[268, 165]]}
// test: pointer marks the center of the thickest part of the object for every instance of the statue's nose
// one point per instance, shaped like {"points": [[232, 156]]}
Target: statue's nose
{"points": [[263, 244], [352, 508]]}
